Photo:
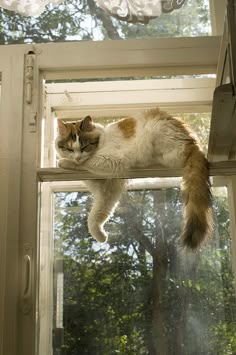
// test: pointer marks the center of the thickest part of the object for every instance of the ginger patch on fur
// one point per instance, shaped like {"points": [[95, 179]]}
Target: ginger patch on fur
{"points": [[127, 127]]}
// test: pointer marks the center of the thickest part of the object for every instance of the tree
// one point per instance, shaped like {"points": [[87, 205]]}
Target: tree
{"points": [[140, 294], [84, 20]]}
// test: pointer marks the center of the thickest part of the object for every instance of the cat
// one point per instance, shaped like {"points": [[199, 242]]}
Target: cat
{"points": [[152, 137]]}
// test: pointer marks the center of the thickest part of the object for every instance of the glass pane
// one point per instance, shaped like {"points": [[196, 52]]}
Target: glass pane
{"points": [[139, 293], [84, 20], [200, 123]]}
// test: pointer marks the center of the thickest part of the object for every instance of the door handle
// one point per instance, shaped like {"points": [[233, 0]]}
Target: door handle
{"points": [[26, 287], [27, 276]]}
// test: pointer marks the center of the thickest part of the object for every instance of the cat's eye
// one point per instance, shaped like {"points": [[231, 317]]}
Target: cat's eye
{"points": [[86, 146], [67, 149], [83, 148]]}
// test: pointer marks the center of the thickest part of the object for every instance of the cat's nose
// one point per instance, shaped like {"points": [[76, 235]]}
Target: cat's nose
{"points": [[77, 156], [76, 145]]}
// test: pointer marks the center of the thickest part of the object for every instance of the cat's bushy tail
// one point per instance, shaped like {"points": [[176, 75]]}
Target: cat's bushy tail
{"points": [[196, 191], [106, 195]]}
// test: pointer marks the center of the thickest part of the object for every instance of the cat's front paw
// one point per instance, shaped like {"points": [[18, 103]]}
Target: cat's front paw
{"points": [[66, 164]]}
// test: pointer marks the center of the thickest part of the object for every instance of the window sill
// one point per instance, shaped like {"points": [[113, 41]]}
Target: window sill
{"points": [[225, 168]]}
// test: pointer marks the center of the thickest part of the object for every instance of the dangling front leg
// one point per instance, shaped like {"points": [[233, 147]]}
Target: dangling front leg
{"points": [[106, 195]]}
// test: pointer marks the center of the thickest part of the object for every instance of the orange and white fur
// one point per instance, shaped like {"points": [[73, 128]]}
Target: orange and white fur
{"points": [[150, 138]]}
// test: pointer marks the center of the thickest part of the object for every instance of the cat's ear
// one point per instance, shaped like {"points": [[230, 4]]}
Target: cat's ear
{"points": [[87, 124], [62, 130]]}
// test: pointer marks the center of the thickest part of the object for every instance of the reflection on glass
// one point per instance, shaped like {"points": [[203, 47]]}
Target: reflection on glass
{"points": [[139, 293], [84, 20], [200, 123]]}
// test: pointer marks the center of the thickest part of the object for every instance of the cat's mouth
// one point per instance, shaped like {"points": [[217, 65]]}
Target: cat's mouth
{"points": [[77, 156]]}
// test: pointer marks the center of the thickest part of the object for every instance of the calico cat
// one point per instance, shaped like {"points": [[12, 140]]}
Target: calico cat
{"points": [[149, 138]]}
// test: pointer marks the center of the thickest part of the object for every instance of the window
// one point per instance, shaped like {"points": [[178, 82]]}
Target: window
{"points": [[29, 310], [83, 20], [138, 293]]}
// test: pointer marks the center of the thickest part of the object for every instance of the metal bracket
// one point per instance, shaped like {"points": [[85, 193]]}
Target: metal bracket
{"points": [[29, 90], [29, 77], [33, 122]]}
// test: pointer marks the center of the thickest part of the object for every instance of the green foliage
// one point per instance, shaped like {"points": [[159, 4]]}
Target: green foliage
{"points": [[140, 293], [200, 123], [224, 337], [84, 20], [190, 20]]}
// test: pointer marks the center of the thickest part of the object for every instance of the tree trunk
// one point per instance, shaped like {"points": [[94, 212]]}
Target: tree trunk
{"points": [[160, 268], [159, 314], [106, 20]]}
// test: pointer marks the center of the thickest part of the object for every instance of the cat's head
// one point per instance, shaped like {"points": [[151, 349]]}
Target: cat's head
{"points": [[77, 140]]}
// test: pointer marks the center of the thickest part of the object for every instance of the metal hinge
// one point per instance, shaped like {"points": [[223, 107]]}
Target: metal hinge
{"points": [[29, 76], [29, 89]]}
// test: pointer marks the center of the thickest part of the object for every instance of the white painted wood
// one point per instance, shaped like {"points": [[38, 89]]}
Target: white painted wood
{"points": [[4, 173], [217, 13], [128, 85], [231, 20], [169, 56], [222, 76], [141, 93], [222, 140], [18, 195], [127, 110], [46, 272], [28, 324], [222, 132], [55, 174], [137, 184], [147, 98], [134, 184], [11, 67]]}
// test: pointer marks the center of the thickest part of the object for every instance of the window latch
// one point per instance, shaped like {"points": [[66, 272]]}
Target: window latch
{"points": [[29, 77], [33, 121]]}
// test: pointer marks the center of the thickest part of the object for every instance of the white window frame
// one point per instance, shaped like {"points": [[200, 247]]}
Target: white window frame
{"points": [[12, 79]]}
